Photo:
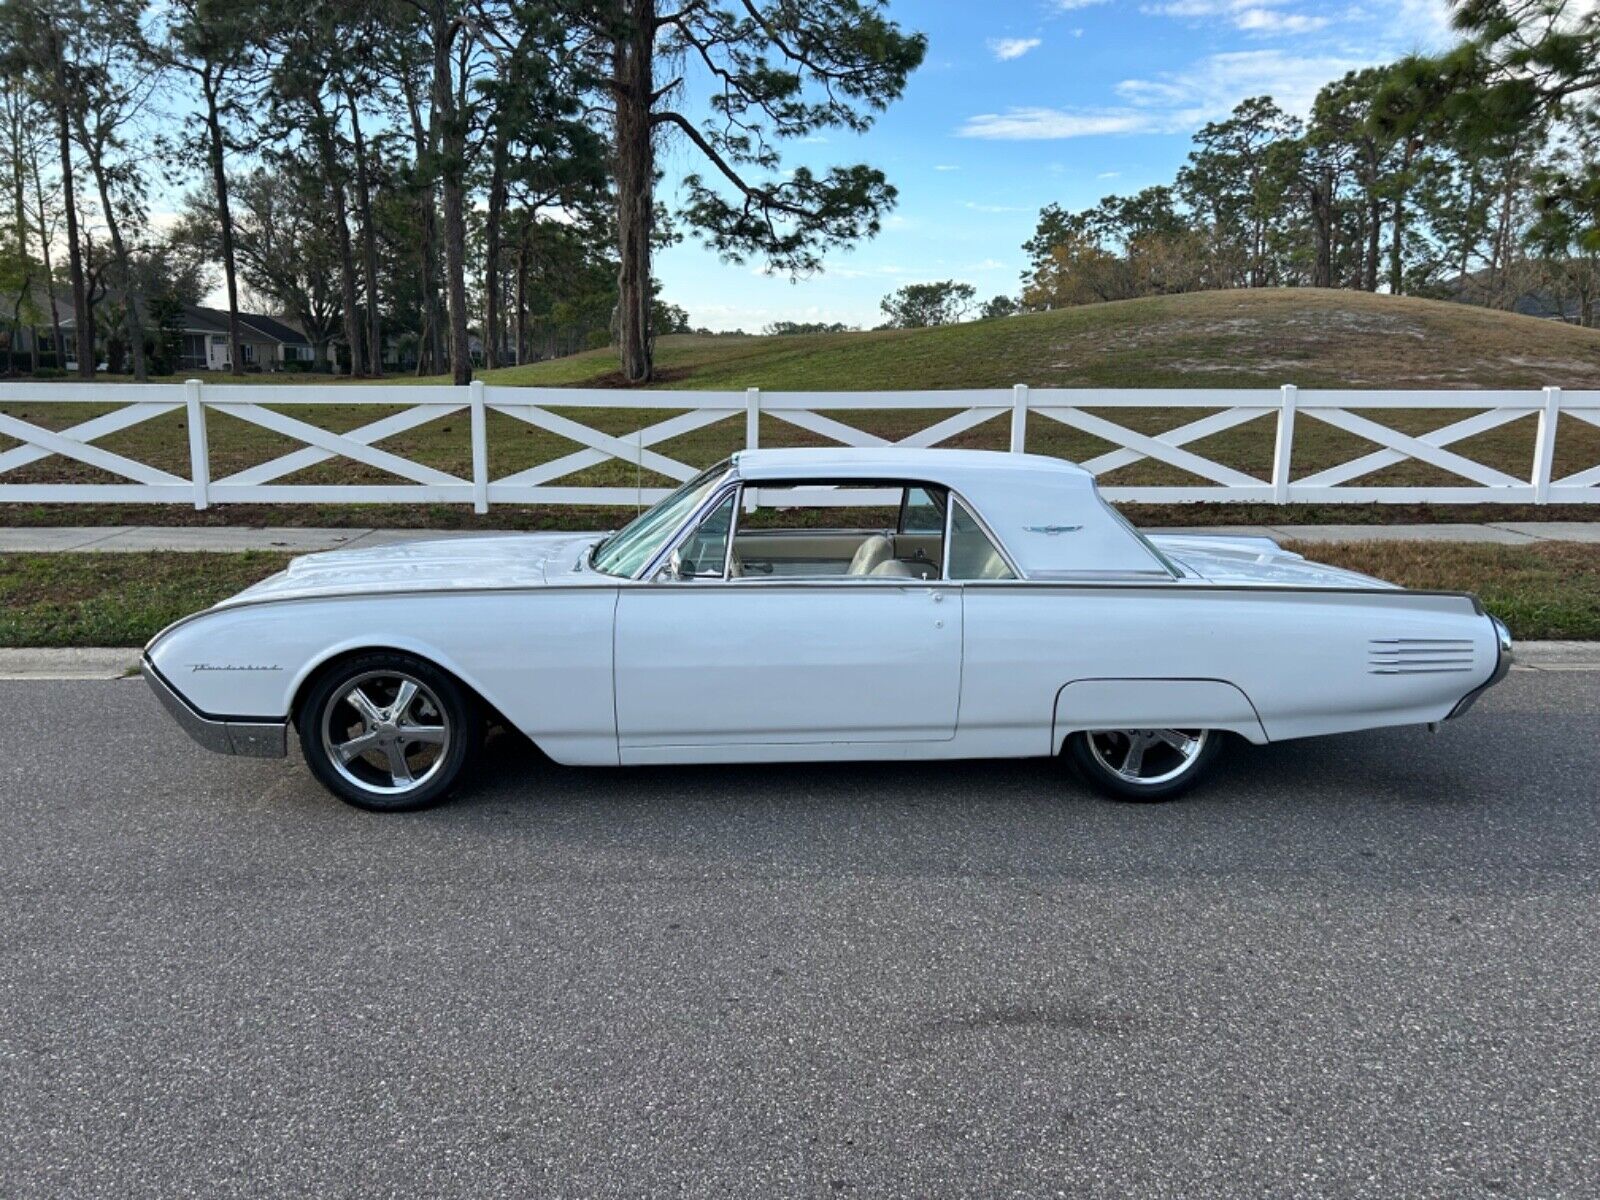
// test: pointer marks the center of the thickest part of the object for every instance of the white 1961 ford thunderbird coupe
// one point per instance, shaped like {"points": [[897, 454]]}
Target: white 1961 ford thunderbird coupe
{"points": [[978, 605]]}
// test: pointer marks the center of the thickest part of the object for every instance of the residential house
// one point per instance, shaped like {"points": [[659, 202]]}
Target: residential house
{"points": [[265, 343]]}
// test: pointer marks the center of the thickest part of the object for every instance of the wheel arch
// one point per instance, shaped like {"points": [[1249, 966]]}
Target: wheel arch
{"points": [[1093, 705], [315, 669]]}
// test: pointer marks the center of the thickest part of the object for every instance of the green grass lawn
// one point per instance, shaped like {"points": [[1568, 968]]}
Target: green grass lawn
{"points": [[115, 599], [1234, 339], [1550, 590]]}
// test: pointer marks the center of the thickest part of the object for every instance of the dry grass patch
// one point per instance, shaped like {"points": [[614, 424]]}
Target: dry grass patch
{"points": [[1546, 590]]}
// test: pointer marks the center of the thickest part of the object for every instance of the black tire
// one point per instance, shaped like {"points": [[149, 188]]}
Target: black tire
{"points": [[1171, 778], [328, 719]]}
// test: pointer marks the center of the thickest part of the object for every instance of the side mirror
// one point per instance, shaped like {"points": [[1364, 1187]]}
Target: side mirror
{"points": [[678, 568]]}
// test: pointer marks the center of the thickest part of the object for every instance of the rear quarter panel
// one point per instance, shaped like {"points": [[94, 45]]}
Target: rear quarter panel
{"points": [[1307, 661], [542, 658]]}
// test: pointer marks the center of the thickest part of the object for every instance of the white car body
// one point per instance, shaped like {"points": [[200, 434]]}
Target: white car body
{"points": [[1101, 629]]}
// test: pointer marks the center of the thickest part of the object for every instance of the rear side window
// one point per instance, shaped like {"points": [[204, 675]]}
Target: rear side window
{"points": [[921, 513], [972, 554]]}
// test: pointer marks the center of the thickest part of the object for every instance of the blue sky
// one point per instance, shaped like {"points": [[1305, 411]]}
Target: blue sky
{"points": [[1024, 102]]}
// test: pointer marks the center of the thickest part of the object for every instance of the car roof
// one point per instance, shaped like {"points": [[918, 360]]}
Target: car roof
{"points": [[950, 467]]}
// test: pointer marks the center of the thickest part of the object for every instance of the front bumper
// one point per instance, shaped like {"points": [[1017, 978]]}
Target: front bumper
{"points": [[1502, 668], [225, 735]]}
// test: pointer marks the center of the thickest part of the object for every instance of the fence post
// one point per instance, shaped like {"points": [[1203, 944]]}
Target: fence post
{"points": [[1283, 449], [1019, 418], [199, 445], [1544, 446], [480, 448], [752, 431]]}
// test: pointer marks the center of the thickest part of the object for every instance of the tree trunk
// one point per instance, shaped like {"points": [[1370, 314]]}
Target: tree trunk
{"points": [[323, 132], [1322, 219], [119, 253], [84, 326], [428, 349], [369, 244], [631, 86], [19, 184], [452, 149], [1369, 279], [522, 298], [49, 274], [491, 266], [1398, 225], [219, 185]]}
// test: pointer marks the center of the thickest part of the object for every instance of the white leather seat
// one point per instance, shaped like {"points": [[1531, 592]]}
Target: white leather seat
{"points": [[874, 550], [893, 568]]}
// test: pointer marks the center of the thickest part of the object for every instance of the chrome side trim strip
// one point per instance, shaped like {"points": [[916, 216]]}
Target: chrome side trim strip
{"points": [[251, 739]]}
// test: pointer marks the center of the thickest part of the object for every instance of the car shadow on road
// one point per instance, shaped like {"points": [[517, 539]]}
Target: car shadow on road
{"points": [[1397, 805]]}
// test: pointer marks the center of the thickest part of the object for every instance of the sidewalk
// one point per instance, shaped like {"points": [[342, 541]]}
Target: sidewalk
{"points": [[177, 537]]}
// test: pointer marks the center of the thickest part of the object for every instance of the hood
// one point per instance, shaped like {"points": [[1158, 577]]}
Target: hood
{"points": [[521, 560], [1256, 561]]}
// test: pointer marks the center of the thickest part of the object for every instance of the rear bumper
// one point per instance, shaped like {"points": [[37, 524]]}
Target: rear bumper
{"points": [[1502, 668], [224, 735]]}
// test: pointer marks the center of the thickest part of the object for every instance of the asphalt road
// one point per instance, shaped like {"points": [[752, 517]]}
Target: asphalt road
{"points": [[1367, 965]]}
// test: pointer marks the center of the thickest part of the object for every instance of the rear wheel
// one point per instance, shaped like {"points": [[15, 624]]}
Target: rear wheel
{"points": [[1144, 764], [388, 731]]}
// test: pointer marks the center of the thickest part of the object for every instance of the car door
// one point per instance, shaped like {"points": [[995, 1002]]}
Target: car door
{"points": [[763, 660], [756, 661]]}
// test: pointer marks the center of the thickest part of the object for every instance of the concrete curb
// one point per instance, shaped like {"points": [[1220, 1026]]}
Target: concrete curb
{"points": [[117, 662], [75, 663]]}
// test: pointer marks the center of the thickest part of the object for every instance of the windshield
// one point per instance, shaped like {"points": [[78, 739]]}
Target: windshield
{"points": [[636, 543]]}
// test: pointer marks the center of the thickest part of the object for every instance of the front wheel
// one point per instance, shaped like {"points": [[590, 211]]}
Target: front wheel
{"points": [[388, 731], [1144, 764]]}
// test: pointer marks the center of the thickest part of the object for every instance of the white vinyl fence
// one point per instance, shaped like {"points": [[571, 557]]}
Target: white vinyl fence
{"points": [[1356, 412]]}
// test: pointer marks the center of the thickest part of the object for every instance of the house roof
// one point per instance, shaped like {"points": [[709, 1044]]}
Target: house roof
{"points": [[199, 319], [258, 323]]}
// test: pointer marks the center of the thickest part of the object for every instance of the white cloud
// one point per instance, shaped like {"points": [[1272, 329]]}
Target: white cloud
{"points": [[1049, 124], [1109, 175], [1176, 101], [1210, 88], [1075, 5], [1259, 17], [946, 167], [1269, 20], [1006, 49], [996, 208]]}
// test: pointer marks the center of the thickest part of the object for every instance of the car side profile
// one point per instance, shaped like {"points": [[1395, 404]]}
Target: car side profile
{"points": [[827, 604]]}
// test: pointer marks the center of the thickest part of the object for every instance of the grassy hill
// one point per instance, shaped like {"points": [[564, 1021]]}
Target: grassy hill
{"points": [[1310, 337]]}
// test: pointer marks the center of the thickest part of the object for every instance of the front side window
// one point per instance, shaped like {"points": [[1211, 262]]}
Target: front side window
{"points": [[627, 551], [972, 554], [704, 553]]}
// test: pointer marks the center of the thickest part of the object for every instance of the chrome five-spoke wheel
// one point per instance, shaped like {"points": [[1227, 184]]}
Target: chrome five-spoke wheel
{"points": [[1143, 764], [385, 730]]}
